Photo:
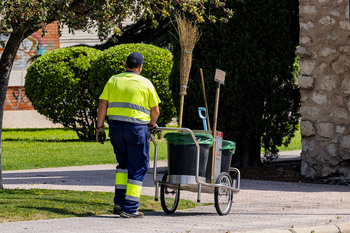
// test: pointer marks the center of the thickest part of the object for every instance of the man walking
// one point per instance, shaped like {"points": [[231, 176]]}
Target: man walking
{"points": [[131, 104]]}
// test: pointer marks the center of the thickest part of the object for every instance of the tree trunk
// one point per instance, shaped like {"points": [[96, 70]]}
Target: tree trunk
{"points": [[6, 63], [247, 152]]}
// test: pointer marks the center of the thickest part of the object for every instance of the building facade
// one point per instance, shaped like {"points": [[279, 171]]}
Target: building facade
{"points": [[19, 112]]}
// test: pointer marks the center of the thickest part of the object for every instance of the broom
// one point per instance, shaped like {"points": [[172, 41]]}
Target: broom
{"points": [[188, 36]]}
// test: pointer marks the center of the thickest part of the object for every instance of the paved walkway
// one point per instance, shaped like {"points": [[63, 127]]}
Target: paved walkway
{"points": [[260, 206]]}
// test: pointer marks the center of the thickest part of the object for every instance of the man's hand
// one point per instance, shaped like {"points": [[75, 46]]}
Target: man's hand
{"points": [[100, 135], [151, 127]]}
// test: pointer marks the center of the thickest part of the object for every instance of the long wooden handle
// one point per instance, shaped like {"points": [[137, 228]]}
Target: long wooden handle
{"points": [[205, 98], [214, 131], [182, 100]]}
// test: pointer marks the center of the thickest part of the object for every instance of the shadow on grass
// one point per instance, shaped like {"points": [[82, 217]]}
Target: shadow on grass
{"points": [[47, 140], [59, 211], [43, 140]]}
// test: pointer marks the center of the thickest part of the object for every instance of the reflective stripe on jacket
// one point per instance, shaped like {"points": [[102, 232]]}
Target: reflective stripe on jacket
{"points": [[130, 98]]}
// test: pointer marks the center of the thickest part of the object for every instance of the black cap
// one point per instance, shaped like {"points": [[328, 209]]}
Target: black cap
{"points": [[135, 58]]}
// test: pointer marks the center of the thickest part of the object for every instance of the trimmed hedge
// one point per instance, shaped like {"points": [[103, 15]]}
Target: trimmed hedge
{"points": [[157, 67], [57, 84], [65, 84]]}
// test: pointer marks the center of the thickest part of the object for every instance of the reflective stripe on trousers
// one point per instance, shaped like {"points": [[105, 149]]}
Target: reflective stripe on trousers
{"points": [[121, 178], [133, 190]]}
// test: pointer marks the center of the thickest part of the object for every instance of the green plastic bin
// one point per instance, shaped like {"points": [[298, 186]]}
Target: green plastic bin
{"points": [[228, 149], [182, 155]]}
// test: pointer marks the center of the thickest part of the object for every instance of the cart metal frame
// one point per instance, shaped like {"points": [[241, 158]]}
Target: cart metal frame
{"points": [[201, 186]]}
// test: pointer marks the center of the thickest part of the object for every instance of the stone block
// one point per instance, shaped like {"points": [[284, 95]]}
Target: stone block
{"points": [[344, 25], [332, 150], [335, 140], [334, 13], [325, 130], [332, 36], [341, 114], [302, 52], [310, 112], [327, 83], [306, 145], [319, 98], [327, 21], [345, 171], [340, 129], [345, 142], [339, 100], [306, 82], [326, 51], [307, 128], [307, 66], [341, 65], [309, 170], [305, 40], [345, 86], [347, 100], [307, 26], [344, 49], [308, 10], [344, 154]]}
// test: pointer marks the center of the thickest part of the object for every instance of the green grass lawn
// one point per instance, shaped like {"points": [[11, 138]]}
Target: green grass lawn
{"points": [[295, 143], [40, 148], [34, 204]]}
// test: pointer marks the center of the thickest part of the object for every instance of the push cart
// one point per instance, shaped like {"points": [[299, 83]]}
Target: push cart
{"points": [[199, 179]]}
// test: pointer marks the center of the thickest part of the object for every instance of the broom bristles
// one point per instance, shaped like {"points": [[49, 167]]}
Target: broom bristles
{"points": [[188, 36]]}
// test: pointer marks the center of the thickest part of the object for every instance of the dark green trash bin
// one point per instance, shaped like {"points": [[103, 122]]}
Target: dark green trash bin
{"points": [[182, 155], [228, 149]]}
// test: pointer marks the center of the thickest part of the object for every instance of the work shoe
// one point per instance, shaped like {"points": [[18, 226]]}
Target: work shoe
{"points": [[117, 209], [137, 214]]}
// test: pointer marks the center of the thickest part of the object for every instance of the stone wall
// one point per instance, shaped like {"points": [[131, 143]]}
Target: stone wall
{"points": [[325, 87]]}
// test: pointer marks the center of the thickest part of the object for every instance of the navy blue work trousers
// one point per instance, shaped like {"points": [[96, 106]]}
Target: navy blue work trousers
{"points": [[131, 147]]}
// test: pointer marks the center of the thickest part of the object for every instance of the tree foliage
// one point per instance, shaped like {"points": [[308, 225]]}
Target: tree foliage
{"points": [[58, 87], [259, 101]]}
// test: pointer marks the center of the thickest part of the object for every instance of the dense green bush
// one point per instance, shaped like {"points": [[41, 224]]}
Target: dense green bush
{"points": [[157, 67], [57, 85], [260, 100]]}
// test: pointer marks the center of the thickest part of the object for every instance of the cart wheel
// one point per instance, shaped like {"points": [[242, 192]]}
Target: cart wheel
{"points": [[223, 196], [169, 196]]}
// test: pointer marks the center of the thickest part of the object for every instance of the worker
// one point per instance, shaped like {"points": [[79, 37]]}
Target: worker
{"points": [[131, 104]]}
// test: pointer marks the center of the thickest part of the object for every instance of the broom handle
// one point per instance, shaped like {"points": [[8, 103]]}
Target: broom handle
{"points": [[182, 98], [214, 131], [205, 98]]}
